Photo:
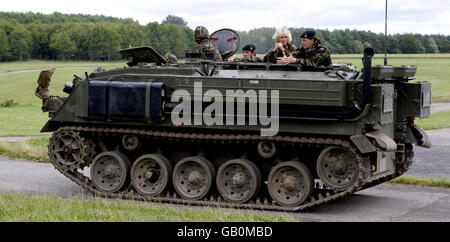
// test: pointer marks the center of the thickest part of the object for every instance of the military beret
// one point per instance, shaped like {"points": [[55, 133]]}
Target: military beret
{"points": [[249, 47], [309, 34]]}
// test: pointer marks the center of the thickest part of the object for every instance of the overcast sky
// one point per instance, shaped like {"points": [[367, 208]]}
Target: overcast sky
{"points": [[404, 16]]}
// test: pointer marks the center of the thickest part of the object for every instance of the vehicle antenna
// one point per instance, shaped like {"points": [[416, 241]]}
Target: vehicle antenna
{"points": [[385, 34]]}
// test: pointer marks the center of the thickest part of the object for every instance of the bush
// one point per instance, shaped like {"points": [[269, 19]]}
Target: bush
{"points": [[8, 103]]}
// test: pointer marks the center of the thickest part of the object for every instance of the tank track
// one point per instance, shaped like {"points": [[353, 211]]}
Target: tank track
{"points": [[319, 196]]}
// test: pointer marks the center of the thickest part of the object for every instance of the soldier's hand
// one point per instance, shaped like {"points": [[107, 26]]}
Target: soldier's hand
{"points": [[278, 46], [286, 60]]}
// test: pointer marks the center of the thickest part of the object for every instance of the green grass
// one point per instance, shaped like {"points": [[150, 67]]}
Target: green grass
{"points": [[419, 181], [26, 117], [24, 208], [435, 121], [430, 67], [40, 64], [33, 149], [393, 56]]}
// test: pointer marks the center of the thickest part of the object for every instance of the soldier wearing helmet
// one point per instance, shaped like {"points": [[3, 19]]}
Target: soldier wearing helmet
{"points": [[204, 43]]}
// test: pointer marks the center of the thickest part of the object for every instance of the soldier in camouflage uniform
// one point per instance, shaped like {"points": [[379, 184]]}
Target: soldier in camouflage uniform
{"points": [[313, 52], [204, 43], [282, 47], [249, 54]]}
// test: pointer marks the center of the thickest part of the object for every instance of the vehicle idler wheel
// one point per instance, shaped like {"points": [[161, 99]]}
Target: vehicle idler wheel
{"points": [[290, 183], [337, 167], [193, 177], [151, 174], [110, 171], [238, 180], [67, 150]]}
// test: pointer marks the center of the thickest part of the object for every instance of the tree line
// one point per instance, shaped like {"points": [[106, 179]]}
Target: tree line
{"points": [[353, 41], [57, 36], [84, 37]]}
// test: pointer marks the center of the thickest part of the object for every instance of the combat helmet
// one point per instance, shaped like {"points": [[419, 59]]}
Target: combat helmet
{"points": [[171, 58], [201, 33]]}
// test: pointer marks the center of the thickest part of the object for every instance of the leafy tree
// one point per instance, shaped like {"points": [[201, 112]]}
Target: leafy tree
{"points": [[172, 19], [56, 17], [40, 34], [20, 43], [393, 45], [104, 42], [431, 45], [157, 35], [5, 53], [80, 34], [62, 45], [409, 44], [132, 34]]}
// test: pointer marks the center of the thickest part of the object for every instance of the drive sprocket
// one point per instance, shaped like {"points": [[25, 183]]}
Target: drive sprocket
{"points": [[67, 150]]}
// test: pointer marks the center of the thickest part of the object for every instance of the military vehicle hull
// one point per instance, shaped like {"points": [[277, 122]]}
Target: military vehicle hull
{"points": [[337, 131]]}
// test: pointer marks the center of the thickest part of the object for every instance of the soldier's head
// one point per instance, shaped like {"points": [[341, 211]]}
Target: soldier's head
{"points": [[201, 33], [283, 36], [248, 50], [308, 39]]}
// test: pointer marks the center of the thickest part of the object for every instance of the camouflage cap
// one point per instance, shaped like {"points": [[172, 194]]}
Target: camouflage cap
{"points": [[309, 34], [201, 33]]}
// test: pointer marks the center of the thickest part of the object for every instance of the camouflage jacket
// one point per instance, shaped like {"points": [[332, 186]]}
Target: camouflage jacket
{"points": [[272, 56], [250, 59], [207, 46], [318, 55]]}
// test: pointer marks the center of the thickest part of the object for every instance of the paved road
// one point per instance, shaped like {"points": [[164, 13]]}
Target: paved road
{"points": [[24, 71], [381, 203], [434, 161], [439, 107]]}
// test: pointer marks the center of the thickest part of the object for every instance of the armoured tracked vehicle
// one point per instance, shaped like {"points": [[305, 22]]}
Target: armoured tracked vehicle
{"points": [[335, 131]]}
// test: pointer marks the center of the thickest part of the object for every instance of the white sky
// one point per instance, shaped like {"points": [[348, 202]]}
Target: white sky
{"points": [[404, 16]]}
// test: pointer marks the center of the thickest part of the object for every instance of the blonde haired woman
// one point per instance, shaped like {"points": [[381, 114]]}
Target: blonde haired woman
{"points": [[282, 48]]}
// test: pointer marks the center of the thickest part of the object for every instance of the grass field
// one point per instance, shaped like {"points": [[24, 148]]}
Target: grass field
{"points": [[32, 149], [40, 65], [25, 208], [26, 117], [422, 181], [435, 121], [433, 68]]}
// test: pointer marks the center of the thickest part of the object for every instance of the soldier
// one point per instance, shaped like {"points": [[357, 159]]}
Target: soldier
{"points": [[204, 43], [282, 47], [313, 52], [248, 51]]}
